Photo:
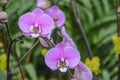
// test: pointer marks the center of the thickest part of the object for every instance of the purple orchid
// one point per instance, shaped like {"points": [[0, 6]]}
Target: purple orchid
{"points": [[67, 39], [82, 72], [36, 24], [57, 15], [43, 4], [62, 57]]}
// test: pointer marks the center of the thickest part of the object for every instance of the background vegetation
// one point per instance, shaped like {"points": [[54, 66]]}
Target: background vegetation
{"points": [[98, 18]]}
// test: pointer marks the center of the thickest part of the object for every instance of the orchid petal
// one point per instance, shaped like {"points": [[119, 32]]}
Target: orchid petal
{"points": [[83, 72], [87, 75], [25, 21], [51, 58], [34, 35], [61, 19], [83, 67], [38, 13], [67, 38], [72, 55], [26, 34], [54, 11], [47, 24]]}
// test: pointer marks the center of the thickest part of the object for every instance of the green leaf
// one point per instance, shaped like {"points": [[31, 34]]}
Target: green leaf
{"points": [[3, 76], [105, 19], [31, 71], [53, 79], [87, 3], [97, 7], [41, 78], [106, 75], [100, 39], [106, 6]]}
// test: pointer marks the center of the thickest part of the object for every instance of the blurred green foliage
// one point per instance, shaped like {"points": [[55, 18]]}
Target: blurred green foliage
{"points": [[98, 18]]}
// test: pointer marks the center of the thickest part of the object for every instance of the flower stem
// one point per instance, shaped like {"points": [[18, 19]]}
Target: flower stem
{"points": [[8, 56], [89, 51], [73, 3], [30, 54], [118, 31], [70, 74], [4, 39], [8, 61], [20, 68], [26, 54], [7, 27], [5, 47], [119, 67], [48, 41]]}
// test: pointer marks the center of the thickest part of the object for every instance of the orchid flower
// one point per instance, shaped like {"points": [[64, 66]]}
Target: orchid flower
{"points": [[36, 23], [62, 57], [43, 4], [82, 72], [57, 15]]}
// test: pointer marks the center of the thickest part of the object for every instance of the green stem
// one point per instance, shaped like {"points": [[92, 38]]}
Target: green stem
{"points": [[26, 54], [118, 32], [74, 9], [20, 68]]}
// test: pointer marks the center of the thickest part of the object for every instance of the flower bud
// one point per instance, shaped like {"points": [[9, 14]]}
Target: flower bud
{"points": [[43, 4], [118, 10], [3, 16], [4, 3]]}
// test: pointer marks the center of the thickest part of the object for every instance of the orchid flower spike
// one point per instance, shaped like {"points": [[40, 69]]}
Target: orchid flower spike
{"points": [[57, 15], [82, 72], [62, 57], [36, 23]]}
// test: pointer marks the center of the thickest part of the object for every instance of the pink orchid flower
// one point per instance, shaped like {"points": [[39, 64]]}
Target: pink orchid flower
{"points": [[57, 15], [43, 4], [82, 72], [62, 57], [36, 23]]}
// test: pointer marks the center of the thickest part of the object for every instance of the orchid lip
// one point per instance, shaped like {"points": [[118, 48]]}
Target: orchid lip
{"points": [[35, 30], [55, 18], [63, 65]]}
